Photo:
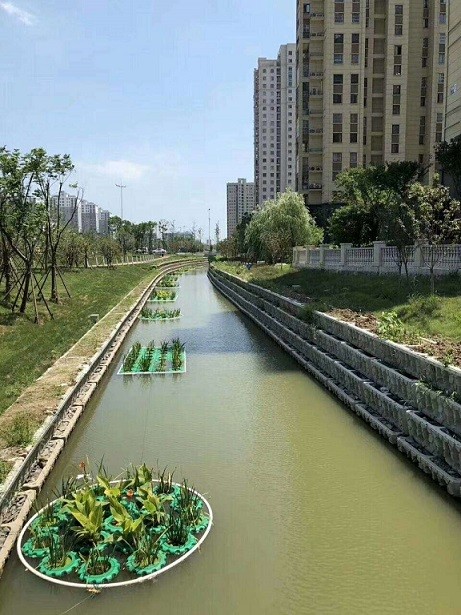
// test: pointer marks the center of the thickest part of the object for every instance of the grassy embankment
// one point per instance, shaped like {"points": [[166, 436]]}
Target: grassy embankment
{"points": [[432, 323]]}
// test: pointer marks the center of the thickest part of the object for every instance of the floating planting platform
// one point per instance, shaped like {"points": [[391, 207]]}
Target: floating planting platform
{"points": [[111, 533], [169, 358], [168, 282], [157, 315], [163, 296]]}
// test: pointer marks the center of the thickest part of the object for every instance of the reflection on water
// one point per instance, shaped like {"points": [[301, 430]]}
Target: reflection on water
{"points": [[313, 512]]}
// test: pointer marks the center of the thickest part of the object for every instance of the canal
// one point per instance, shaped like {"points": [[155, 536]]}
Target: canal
{"points": [[314, 513]]}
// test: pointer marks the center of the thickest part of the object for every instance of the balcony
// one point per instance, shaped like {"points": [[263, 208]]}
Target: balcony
{"points": [[315, 150], [316, 170], [314, 186], [315, 93], [316, 74], [315, 112]]}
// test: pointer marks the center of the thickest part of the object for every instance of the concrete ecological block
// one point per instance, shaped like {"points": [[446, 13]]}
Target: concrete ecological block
{"points": [[422, 421]]}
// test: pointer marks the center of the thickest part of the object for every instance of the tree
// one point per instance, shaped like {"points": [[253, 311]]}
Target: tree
{"points": [[22, 223], [217, 233], [438, 220], [352, 224], [228, 247], [448, 155], [110, 249], [279, 227], [51, 173]]}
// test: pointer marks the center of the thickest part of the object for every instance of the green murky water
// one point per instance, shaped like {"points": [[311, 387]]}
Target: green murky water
{"points": [[314, 513]]}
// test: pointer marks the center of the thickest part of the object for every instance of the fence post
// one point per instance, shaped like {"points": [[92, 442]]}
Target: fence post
{"points": [[322, 255], [344, 248], [378, 254], [418, 258]]}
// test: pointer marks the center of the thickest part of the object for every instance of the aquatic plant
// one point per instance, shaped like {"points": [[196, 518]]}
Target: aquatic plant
{"points": [[165, 481]]}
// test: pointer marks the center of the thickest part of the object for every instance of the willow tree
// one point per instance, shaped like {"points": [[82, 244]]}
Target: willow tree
{"points": [[280, 226]]}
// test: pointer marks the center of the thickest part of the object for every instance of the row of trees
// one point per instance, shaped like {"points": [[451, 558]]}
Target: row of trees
{"points": [[37, 241], [271, 233]]}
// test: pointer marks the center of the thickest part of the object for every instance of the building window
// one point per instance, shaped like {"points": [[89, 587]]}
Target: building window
{"points": [[422, 129], [354, 128], [425, 52], [355, 11], [398, 30], [337, 165], [365, 125], [353, 160], [439, 128], [354, 89], [365, 91], [397, 60], [339, 11], [338, 89], [440, 87], [337, 127], [442, 48], [443, 12], [423, 91], [426, 14], [396, 93], [338, 50], [366, 53], [355, 49], [395, 142]]}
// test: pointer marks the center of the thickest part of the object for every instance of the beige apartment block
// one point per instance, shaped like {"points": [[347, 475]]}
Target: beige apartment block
{"points": [[453, 112], [240, 200], [275, 124], [371, 87]]}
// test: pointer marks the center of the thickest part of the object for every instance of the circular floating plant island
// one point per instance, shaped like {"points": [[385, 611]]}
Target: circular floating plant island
{"points": [[108, 533]]}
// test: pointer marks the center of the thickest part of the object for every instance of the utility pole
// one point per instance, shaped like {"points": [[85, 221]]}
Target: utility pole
{"points": [[121, 186]]}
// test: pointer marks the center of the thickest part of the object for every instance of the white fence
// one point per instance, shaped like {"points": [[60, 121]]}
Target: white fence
{"points": [[381, 258]]}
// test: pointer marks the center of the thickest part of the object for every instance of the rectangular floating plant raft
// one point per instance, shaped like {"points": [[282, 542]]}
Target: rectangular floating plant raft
{"points": [[154, 363]]}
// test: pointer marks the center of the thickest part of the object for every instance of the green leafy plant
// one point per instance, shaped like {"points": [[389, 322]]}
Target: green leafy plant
{"points": [[152, 504], [188, 502], [88, 513], [392, 328]]}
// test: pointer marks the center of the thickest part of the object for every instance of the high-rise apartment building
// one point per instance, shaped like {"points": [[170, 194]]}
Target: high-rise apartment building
{"points": [[104, 216], [275, 124], [453, 112], [240, 200], [371, 87], [69, 210], [90, 217]]}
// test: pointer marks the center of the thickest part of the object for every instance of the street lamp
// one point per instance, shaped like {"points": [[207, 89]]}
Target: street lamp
{"points": [[121, 186]]}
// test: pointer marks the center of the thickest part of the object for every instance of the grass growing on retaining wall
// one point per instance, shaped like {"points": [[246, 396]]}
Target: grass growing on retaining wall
{"points": [[27, 349], [422, 314]]}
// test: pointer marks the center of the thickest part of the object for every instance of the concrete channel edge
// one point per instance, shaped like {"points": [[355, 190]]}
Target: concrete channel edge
{"points": [[412, 404]]}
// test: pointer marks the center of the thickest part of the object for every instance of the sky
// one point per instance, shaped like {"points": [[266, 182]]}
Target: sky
{"points": [[155, 93]]}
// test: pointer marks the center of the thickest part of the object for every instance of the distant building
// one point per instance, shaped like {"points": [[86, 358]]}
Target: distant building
{"points": [[70, 212], [240, 200], [104, 216], [453, 112], [90, 217], [275, 124]]}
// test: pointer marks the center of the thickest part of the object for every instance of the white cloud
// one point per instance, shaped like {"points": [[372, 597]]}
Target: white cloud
{"points": [[118, 169], [24, 16]]}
